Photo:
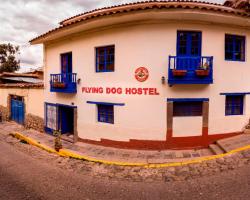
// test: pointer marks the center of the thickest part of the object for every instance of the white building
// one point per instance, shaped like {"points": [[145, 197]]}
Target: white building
{"points": [[151, 75]]}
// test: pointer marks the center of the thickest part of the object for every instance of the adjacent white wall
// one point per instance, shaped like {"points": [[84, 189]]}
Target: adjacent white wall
{"points": [[148, 45]]}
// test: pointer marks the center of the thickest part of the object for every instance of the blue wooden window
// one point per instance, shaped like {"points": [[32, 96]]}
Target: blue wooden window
{"points": [[234, 105], [105, 113], [105, 59], [188, 108], [234, 47], [189, 43]]}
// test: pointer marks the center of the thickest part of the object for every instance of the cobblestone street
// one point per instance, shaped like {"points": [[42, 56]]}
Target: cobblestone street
{"points": [[132, 173], [27, 172]]}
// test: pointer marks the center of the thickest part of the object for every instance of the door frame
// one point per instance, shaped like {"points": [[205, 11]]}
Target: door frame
{"points": [[177, 142], [10, 97], [69, 64], [57, 105], [188, 42]]}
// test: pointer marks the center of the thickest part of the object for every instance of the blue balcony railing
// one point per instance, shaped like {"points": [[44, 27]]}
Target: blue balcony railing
{"points": [[65, 82], [190, 70]]}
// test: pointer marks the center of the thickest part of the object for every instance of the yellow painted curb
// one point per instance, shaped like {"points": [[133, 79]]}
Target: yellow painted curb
{"points": [[71, 154], [33, 142]]}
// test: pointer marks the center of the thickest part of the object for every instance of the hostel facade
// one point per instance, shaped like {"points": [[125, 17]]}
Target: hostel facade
{"points": [[150, 75]]}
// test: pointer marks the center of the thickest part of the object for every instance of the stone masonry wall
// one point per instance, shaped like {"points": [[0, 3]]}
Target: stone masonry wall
{"points": [[34, 122], [169, 174], [4, 112]]}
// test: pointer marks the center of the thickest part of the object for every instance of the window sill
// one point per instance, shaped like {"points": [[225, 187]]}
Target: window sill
{"points": [[235, 60], [103, 71], [227, 115]]}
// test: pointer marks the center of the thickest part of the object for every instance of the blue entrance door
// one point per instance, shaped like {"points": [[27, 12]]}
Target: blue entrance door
{"points": [[66, 119], [188, 50], [17, 110]]}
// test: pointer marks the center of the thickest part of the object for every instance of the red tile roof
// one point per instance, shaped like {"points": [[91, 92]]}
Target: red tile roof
{"points": [[145, 5], [22, 85], [13, 74]]}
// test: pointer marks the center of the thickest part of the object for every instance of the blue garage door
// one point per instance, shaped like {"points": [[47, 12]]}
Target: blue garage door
{"points": [[17, 111]]}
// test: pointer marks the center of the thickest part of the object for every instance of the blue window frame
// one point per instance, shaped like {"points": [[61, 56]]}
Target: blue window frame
{"points": [[66, 62], [105, 113], [234, 105], [188, 43], [234, 47], [187, 108], [105, 59]]}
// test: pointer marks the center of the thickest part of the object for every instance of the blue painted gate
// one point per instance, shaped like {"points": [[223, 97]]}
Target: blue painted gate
{"points": [[17, 111]]}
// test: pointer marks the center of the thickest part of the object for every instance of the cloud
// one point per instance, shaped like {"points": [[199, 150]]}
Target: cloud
{"points": [[22, 20]]}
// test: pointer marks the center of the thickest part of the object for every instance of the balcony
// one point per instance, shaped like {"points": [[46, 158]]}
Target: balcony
{"points": [[190, 70], [65, 83]]}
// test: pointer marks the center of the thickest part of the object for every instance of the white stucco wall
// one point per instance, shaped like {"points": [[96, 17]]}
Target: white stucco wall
{"points": [[33, 99], [183, 126], [148, 45]]}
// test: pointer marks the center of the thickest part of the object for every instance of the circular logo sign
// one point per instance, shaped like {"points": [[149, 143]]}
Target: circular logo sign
{"points": [[141, 74]]}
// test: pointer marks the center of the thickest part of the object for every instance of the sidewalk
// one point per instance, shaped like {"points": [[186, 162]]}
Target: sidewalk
{"points": [[124, 155]]}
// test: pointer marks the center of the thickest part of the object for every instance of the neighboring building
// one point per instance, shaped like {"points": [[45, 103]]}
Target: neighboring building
{"points": [[31, 77], [22, 99], [151, 75], [38, 72]]}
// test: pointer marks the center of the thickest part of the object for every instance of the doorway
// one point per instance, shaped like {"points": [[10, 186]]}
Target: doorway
{"points": [[66, 120], [62, 118], [188, 50], [17, 109]]}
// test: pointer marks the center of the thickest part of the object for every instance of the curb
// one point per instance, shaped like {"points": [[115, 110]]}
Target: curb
{"points": [[71, 154]]}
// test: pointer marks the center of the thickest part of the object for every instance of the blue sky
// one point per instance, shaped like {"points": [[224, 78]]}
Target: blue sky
{"points": [[22, 20]]}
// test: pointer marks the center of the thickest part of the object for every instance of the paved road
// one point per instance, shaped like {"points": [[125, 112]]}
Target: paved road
{"points": [[24, 177]]}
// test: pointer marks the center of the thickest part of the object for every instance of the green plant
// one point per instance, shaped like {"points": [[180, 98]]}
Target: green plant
{"points": [[58, 142], [205, 66]]}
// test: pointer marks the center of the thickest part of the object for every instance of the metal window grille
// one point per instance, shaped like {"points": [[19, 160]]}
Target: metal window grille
{"points": [[106, 113], [187, 109], [234, 105]]}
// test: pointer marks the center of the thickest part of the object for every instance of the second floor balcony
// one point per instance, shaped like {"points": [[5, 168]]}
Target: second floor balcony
{"points": [[190, 70], [64, 82]]}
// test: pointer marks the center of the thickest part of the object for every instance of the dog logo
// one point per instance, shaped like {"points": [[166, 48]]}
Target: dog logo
{"points": [[141, 74]]}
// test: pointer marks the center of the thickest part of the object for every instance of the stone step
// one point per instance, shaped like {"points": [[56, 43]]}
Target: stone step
{"points": [[247, 126], [216, 149], [67, 138], [231, 143], [246, 131]]}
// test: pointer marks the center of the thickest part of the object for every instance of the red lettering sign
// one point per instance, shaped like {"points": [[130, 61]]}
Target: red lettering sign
{"points": [[119, 90]]}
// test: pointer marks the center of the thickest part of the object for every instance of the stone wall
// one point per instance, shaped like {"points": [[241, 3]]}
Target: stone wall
{"points": [[4, 111], [169, 174], [34, 122]]}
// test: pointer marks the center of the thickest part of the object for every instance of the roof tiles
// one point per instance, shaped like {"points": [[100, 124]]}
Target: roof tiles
{"points": [[145, 5]]}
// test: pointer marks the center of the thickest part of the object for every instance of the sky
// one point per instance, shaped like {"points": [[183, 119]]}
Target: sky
{"points": [[23, 20]]}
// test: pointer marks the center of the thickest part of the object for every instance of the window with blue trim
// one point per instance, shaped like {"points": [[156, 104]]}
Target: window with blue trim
{"points": [[188, 43], [105, 59], [234, 105], [105, 113], [234, 47], [189, 108], [66, 62]]}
